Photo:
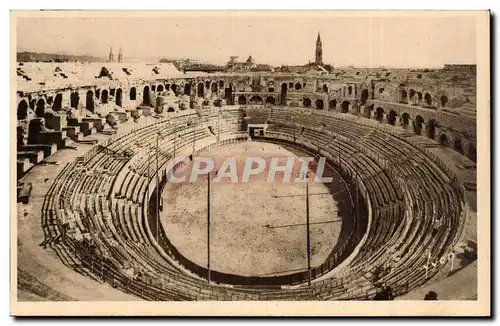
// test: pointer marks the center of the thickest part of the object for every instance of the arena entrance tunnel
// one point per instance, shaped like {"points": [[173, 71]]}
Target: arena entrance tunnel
{"points": [[344, 250]]}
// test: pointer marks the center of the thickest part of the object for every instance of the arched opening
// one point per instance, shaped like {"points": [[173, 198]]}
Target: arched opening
{"points": [[74, 98], [112, 92], [367, 112], [345, 106], [32, 104], [381, 90], [214, 87], [22, 110], [471, 153], [320, 105], [167, 87], [349, 90], [153, 88], [417, 125], [404, 97], [307, 103], [104, 96], [428, 99], [57, 102], [40, 108], [391, 117], [98, 93], [228, 94], [170, 109], [443, 140], [207, 84], [284, 90], [332, 105], [443, 99], [412, 96], [256, 100], [221, 84], [201, 90], [146, 97], [431, 129], [89, 101], [419, 98], [242, 100], [325, 88], [458, 145], [119, 97], [218, 102], [159, 89], [364, 96], [298, 87], [405, 120], [379, 115], [133, 94], [270, 100], [174, 89], [187, 89]]}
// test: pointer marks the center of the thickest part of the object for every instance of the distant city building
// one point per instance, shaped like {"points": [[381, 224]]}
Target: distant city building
{"points": [[319, 51], [111, 56], [120, 56]]}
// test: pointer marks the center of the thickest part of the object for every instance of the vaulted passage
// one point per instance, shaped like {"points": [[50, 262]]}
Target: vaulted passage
{"points": [[74, 99], [242, 100], [379, 114], [89, 101], [392, 117], [270, 100], [146, 97], [22, 110], [256, 100], [201, 90], [417, 125], [431, 129], [133, 94], [104, 96], [57, 105], [320, 104], [118, 97], [364, 96], [405, 120], [187, 89], [307, 103], [332, 105], [345, 106], [40, 108]]}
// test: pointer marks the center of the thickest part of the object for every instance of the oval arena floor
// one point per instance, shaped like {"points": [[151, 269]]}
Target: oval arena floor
{"points": [[417, 213]]}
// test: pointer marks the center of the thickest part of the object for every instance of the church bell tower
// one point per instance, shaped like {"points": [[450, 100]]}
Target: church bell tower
{"points": [[319, 51]]}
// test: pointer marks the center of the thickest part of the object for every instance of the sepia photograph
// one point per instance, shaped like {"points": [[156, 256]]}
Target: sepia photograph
{"points": [[250, 163]]}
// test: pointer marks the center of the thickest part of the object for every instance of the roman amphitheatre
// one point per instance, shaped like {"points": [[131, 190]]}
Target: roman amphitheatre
{"points": [[98, 218]]}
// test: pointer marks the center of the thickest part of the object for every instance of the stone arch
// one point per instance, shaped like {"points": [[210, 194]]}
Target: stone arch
{"points": [[133, 94], [404, 96], [221, 84], [270, 100], [417, 125], [471, 152], [290, 85], [32, 104], [320, 105], [345, 106], [256, 100], [207, 84], [104, 96], [405, 120], [22, 110], [153, 88], [325, 88], [431, 129], [411, 96], [284, 90], [392, 117], [443, 140], [458, 145], [40, 108], [307, 103], [367, 111], [419, 97], [242, 100], [57, 105], [201, 90], [379, 114], [364, 96], [298, 86], [119, 97], [381, 90], [443, 100], [167, 87], [74, 98], [349, 90], [89, 101], [159, 88], [214, 87], [98, 93], [187, 89], [174, 89], [170, 109], [428, 99], [332, 105], [146, 97]]}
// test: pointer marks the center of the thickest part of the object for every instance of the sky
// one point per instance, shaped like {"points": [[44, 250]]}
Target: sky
{"points": [[362, 41]]}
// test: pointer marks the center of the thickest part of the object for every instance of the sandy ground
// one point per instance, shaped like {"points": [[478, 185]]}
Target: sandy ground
{"points": [[248, 232]]}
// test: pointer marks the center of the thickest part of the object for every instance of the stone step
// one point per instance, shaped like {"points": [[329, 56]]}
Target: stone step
{"points": [[34, 156]]}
